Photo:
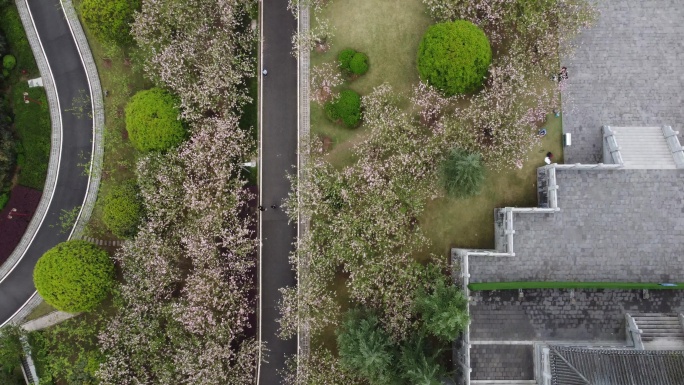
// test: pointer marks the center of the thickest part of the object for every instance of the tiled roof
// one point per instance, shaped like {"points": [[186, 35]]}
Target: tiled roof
{"points": [[586, 366]]}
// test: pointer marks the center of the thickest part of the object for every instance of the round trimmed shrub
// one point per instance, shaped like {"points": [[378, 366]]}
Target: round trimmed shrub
{"points": [[346, 108], [454, 57], [9, 62], [359, 63], [462, 173], [344, 58], [110, 20], [123, 210], [74, 276], [152, 121]]}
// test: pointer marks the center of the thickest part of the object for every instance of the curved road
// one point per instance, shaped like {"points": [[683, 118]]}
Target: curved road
{"points": [[278, 155], [70, 77]]}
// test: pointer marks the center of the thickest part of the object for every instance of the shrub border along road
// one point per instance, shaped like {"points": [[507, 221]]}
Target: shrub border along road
{"points": [[55, 151], [573, 285]]}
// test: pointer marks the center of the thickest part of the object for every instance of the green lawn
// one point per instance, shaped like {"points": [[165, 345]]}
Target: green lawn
{"points": [[389, 32], [31, 121], [10, 22], [469, 223], [32, 127]]}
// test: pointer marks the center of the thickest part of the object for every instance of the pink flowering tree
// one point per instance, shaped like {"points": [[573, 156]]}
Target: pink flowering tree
{"points": [[325, 78], [199, 49], [185, 303]]}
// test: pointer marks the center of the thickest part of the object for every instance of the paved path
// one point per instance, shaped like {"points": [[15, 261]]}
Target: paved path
{"points": [[627, 72], [69, 77], [277, 158]]}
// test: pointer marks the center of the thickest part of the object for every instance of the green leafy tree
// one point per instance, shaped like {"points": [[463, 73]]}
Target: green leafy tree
{"points": [[346, 107], [358, 65], [419, 362], [454, 57], [11, 348], [443, 310], [462, 173], [123, 210], [152, 121], [366, 349], [9, 62], [110, 20], [74, 276]]}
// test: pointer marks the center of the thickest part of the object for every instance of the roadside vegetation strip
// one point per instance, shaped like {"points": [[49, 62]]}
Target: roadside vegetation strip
{"points": [[55, 141], [96, 156], [303, 150], [574, 285]]}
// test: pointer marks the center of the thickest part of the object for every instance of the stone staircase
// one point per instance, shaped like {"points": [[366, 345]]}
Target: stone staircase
{"points": [[659, 331], [644, 148]]}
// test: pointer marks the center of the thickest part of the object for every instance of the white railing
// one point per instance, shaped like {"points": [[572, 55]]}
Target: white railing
{"points": [[634, 333], [582, 166], [674, 146]]}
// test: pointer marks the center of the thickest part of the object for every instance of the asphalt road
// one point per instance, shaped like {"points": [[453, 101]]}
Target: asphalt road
{"points": [[278, 157], [70, 77]]}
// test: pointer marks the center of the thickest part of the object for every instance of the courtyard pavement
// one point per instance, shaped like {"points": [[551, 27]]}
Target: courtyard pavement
{"points": [[627, 71]]}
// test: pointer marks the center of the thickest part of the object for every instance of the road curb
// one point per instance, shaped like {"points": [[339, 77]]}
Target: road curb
{"points": [[97, 154]]}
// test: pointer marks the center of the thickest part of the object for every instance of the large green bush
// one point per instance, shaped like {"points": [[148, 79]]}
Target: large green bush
{"points": [[110, 20], [454, 57], [346, 108], [74, 276], [122, 210], [358, 65], [152, 121], [344, 58], [9, 62], [352, 62], [462, 173]]}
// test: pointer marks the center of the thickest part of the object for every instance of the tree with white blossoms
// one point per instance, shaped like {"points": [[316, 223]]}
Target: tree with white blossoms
{"points": [[184, 305], [320, 31], [429, 103], [315, 37], [364, 220], [325, 78], [500, 121], [200, 49]]}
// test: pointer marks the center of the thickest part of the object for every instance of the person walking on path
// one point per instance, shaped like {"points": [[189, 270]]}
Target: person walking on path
{"points": [[261, 208], [264, 72], [274, 207]]}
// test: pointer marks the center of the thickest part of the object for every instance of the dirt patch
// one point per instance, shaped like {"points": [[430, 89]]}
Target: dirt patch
{"points": [[326, 143]]}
